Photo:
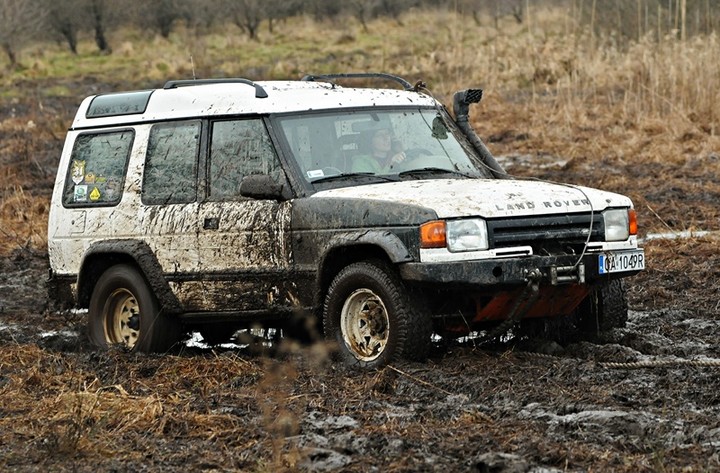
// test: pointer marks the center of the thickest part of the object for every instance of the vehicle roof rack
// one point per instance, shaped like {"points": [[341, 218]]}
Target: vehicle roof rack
{"points": [[174, 84], [359, 75]]}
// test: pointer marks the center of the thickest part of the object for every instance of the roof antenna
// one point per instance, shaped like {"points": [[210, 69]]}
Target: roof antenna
{"points": [[192, 63]]}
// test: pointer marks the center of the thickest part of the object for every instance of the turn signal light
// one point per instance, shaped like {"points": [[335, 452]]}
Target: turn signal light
{"points": [[632, 219], [432, 234]]}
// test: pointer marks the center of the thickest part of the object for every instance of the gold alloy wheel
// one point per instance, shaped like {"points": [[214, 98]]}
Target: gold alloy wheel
{"points": [[364, 324], [122, 318]]}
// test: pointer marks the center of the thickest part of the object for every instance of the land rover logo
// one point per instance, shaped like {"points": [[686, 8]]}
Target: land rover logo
{"points": [[547, 204], [565, 203], [517, 206]]}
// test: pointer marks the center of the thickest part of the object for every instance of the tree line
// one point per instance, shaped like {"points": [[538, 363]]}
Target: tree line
{"points": [[24, 21]]}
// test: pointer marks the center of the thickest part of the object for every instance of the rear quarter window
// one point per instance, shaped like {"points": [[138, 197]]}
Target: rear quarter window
{"points": [[98, 163]]}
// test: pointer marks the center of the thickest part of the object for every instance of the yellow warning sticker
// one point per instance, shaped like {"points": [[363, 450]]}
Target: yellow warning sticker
{"points": [[95, 194]]}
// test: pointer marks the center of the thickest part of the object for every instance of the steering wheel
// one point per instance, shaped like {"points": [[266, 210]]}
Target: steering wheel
{"points": [[414, 153]]}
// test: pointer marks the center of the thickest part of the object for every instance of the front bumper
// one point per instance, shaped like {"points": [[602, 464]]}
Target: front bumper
{"points": [[509, 272]]}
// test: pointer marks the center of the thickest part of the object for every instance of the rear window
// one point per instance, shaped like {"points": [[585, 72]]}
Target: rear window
{"points": [[97, 168]]}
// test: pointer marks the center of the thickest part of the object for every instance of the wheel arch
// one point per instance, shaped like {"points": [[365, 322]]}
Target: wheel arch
{"points": [[103, 255], [348, 248]]}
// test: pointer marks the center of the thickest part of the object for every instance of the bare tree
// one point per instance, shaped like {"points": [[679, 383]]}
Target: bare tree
{"points": [[392, 8], [19, 21], [67, 19], [164, 13], [101, 14], [202, 15], [362, 9], [248, 14], [281, 10], [324, 9]]}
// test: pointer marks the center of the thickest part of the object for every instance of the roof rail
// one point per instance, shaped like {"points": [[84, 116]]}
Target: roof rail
{"points": [[174, 84], [359, 75]]}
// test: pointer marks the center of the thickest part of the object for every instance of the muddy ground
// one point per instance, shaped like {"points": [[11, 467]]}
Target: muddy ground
{"points": [[516, 406], [520, 405]]}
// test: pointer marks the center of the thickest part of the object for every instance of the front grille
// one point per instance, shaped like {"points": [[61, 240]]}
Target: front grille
{"points": [[548, 233]]}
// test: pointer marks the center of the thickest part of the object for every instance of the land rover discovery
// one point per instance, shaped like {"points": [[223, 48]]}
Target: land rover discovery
{"points": [[373, 213]]}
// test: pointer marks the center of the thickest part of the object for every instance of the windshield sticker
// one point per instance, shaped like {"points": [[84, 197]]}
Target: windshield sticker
{"points": [[313, 173]]}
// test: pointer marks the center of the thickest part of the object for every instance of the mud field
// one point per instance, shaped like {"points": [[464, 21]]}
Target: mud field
{"points": [[520, 405]]}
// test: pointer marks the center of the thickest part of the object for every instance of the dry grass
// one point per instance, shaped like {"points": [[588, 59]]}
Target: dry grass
{"points": [[24, 220], [229, 412], [550, 90], [638, 120]]}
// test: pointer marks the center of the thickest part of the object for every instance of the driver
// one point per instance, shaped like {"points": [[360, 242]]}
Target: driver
{"points": [[383, 153]]}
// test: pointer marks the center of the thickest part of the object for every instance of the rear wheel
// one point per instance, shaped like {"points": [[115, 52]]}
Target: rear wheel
{"points": [[370, 315], [124, 311]]}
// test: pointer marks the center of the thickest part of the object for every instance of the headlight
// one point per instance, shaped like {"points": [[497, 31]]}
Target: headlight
{"points": [[467, 235], [619, 224]]}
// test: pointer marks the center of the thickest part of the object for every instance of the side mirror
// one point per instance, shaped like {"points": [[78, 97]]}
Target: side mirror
{"points": [[262, 186]]}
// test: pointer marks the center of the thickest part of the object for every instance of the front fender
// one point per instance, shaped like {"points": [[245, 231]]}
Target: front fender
{"points": [[395, 249], [347, 247]]}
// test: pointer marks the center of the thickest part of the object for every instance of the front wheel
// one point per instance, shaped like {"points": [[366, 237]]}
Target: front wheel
{"points": [[605, 308], [369, 314], [124, 311]]}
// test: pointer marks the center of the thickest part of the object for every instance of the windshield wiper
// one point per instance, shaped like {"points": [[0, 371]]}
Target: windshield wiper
{"points": [[431, 170], [346, 175]]}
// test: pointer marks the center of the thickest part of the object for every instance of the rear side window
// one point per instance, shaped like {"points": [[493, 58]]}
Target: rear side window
{"points": [[171, 163], [97, 168]]}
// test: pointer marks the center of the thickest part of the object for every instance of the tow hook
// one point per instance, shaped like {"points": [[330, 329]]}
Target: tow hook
{"points": [[533, 275]]}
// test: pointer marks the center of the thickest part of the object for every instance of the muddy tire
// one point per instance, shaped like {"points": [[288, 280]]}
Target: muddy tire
{"points": [[370, 315], [605, 308], [123, 311]]}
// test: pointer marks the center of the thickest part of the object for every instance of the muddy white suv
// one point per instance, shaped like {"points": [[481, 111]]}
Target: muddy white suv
{"points": [[213, 205]]}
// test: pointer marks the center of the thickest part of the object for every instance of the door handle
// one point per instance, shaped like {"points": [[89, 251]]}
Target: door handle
{"points": [[211, 223]]}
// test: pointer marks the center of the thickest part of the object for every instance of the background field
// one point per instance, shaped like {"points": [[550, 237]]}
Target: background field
{"points": [[567, 98]]}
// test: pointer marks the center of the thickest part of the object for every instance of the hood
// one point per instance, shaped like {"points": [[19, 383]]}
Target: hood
{"points": [[488, 198]]}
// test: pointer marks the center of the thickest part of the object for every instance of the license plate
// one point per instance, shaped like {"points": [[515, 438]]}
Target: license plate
{"points": [[621, 261]]}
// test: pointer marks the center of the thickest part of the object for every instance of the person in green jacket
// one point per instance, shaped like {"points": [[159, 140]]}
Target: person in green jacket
{"points": [[383, 154]]}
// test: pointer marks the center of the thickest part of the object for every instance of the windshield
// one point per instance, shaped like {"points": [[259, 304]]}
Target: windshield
{"points": [[366, 146]]}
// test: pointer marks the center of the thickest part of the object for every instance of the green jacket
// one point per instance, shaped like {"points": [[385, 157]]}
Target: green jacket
{"points": [[366, 163]]}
